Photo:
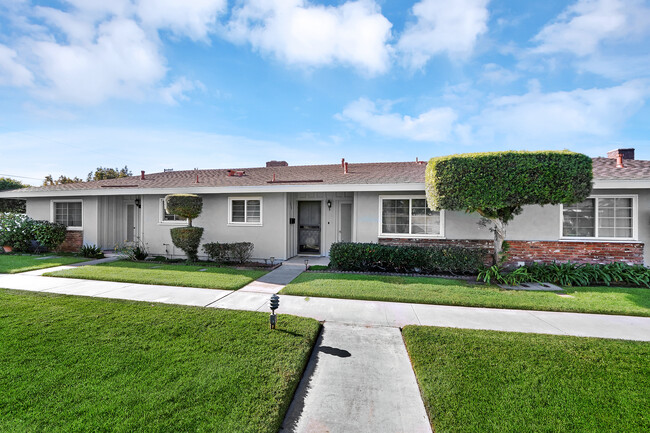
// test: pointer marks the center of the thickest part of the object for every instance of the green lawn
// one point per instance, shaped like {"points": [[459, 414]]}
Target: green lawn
{"points": [[72, 364], [605, 300], [170, 275], [12, 264], [488, 381]]}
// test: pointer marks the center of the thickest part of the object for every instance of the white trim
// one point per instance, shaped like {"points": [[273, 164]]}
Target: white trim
{"points": [[70, 228], [245, 223], [161, 216], [596, 238], [259, 189], [382, 235]]}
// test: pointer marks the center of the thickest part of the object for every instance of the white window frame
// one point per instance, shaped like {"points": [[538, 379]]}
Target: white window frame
{"points": [[407, 235], [245, 223], [635, 220], [53, 212], [161, 216]]}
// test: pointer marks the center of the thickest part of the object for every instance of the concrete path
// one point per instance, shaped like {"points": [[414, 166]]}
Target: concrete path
{"points": [[348, 311], [359, 379], [275, 280], [107, 259]]}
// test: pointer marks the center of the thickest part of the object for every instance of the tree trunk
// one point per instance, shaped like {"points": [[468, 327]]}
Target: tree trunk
{"points": [[499, 237]]}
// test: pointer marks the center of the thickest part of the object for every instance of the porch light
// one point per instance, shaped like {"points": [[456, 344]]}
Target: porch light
{"points": [[329, 204], [138, 203], [274, 304], [306, 264]]}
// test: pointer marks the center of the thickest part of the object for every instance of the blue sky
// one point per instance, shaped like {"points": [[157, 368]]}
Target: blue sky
{"points": [[157, 84]]}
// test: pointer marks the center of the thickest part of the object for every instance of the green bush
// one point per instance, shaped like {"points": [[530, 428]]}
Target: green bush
{"points": [[188, 240], [91, 251], [16, 231], [238, 252], [405, 259], [570, 274], [50, 235], [494, 180], [184, 205]]}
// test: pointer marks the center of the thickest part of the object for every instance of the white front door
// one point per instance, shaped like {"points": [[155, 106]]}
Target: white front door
{"points": [[131, 223]]}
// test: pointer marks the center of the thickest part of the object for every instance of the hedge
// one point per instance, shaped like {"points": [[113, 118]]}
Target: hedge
{"points": [[495, 180], [239, 252], [406, 259]]}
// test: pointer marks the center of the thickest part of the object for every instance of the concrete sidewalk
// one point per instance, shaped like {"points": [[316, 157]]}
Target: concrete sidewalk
{"points": [[359, 379], [347, 311]]}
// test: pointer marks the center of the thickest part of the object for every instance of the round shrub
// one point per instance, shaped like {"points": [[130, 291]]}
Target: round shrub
{"points": [[50, 235], [188, 240], [184, 205], [16, 231]]}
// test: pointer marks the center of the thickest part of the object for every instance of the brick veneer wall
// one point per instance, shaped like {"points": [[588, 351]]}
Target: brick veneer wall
{"points": [[545, 251], [73, 241]]}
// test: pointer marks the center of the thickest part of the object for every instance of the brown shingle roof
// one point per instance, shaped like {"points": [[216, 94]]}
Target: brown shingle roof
{"points": [[359, 174], [605, 169], [368, 173]]}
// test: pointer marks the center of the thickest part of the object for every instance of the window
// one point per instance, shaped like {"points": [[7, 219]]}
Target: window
{"points": [[600, 217], [169, 218], [245, 211], [68, 213], [409, 216]]}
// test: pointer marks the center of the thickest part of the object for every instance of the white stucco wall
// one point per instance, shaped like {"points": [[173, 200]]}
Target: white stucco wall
{"points": [[41, 209]]}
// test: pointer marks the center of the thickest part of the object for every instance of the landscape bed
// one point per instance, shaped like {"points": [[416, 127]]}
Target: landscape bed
{"points": [[632, 301], [72, 364], [15, 263], [480, 381], [209, 277]]}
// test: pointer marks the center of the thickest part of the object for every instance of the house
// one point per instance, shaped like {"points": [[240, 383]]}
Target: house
{"points": [[290, 210]]}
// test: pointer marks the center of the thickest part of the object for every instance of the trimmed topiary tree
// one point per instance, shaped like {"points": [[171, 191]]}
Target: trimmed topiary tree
{"points": [[184, 205], [187, 206], [497, 184]]}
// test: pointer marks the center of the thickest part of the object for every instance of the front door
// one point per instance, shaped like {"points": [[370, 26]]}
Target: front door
{"points": [[309, 227], [345, 222], [131, 221]]}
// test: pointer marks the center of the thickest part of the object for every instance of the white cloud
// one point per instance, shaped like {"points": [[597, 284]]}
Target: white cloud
{"points": [[548, 117], [498, 74], [13, 73], [177, 90], [121, 61], [443, 27], [298, 32], [433, 125], [194, 19], [583, 27]]}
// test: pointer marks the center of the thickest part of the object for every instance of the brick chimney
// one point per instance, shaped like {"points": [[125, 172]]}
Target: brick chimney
{"points": [[277, 164], [625, 153]]}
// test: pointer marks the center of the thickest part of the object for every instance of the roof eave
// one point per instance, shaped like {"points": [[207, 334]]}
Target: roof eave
{"points": [[253, 189]]}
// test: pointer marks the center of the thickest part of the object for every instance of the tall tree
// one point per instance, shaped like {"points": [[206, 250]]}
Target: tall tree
{"points": [[108, 173], [11, 204], [496, 185], [60, 181]]}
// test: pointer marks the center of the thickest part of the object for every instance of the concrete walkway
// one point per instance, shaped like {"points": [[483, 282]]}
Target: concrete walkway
{"points": [[348, 311], [359, 379], [275, 280]]}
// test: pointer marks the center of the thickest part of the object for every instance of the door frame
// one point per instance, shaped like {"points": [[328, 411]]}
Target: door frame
{"points": [[339, 225], [322, 231], [136, 221]]}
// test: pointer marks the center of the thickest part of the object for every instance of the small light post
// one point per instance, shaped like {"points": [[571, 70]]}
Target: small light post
{"points": [[306, 264], [274, 304], [272, 259]]}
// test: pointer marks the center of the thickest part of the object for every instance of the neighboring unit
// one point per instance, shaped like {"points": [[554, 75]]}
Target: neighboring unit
{"points": [[286, 211]]}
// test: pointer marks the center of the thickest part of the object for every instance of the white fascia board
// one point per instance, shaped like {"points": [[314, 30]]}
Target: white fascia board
{"points": [[621, 183], [258, 189]]}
